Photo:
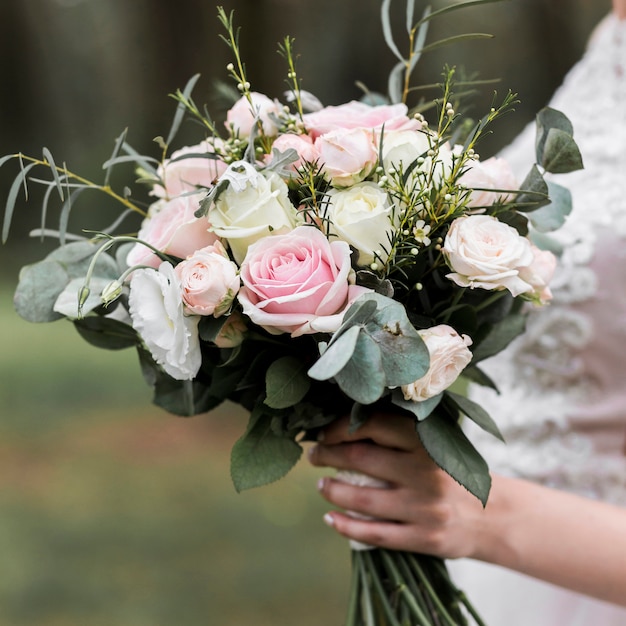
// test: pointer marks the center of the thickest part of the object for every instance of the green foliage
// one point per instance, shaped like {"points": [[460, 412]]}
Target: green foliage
{"points": [[286, 382]]}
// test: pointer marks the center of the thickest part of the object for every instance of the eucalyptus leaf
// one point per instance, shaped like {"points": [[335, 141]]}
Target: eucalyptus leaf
{"points": [[210, 327], [479, 377], [499, 337], [67, 302], [107, 333], [76, 258], [552, 216], [363, 377], [261, 456], [180, 109], [336, 355], [453, 452], [38, 288], [286, 383], [421, 410], [560, 153], [476, 413], [47, 155], [534, 192], [108, 166], [547, 119], [12, 198]]}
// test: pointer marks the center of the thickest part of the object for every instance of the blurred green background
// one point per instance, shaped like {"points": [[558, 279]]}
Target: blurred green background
{"points": [[111, 511]]}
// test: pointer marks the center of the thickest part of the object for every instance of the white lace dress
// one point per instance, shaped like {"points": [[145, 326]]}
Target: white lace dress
{"points": [[562, 407]]}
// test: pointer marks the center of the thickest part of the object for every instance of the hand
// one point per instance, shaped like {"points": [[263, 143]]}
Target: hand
{"points": [[422, 510]]}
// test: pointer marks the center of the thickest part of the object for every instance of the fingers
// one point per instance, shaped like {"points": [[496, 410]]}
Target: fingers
{"points": [[386, 429]]}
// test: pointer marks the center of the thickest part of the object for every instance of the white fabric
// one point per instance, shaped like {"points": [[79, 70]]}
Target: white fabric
{"points": [[562, 407]]}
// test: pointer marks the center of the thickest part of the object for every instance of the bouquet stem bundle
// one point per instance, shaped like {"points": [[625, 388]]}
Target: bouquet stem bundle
{"points": [[398, 588]]}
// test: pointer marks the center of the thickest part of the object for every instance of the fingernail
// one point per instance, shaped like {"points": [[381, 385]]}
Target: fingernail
{"points": [[329, 520], [311, 452], [321, 483], [321, 435]]}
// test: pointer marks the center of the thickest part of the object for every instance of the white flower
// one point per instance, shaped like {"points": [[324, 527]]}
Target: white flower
{"points": [[421, 230], [156, 309], [246, 213], [362, 216], [449, 355], [240, 175]]}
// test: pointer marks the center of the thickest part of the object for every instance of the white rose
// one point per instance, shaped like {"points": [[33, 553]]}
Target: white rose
{"points": [[156, 310], [449, 356], [209, 281], [362, 216], [487, 179], [401, 148], [487, 253], [347, 156], [258, 207], [242, 116]]}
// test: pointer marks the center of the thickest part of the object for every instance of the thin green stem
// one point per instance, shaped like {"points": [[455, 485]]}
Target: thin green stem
{"points": [[353, 598], [378, 585]]}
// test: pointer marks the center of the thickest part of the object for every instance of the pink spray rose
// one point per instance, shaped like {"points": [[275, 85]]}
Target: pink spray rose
{"points": [[209, 280], [347, 155], [172, 228], [358, 115], [297, 283], [242, 115], [449, 356], [539, 274], [302, 144], [182, 172], [484, 177]]}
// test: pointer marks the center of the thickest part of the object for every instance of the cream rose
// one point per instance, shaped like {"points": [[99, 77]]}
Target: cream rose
{"points": [[362, 216], [243, 114], [486, 253], [449, 356], [297, 283], [172, 228], [487, 179], [257, 206], [347, 156], [209, 281], [539, 274], [185, 170], [156, 310]]}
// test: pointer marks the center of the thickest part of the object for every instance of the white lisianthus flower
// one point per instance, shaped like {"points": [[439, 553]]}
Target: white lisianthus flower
{"points": [[486, 253], [156, 310], [244, 213], [362, 216], [449, 356]]}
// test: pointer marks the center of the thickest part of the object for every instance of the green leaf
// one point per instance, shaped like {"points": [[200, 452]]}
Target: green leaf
{"points": [[560, 153], [476, 413], [552, 216], [499, 337], [478, 376], [336, 355], [534, 192], [12, 198], [547, 119], [107, 333], [261, 456], [363, 378], [67, 302], [76, 258], [421, 410], [286, 383], [180, 109], [47, 155], [452, 451], [210, 327], [38, 289]]}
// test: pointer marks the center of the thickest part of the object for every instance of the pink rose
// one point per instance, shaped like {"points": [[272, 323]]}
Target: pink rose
{"points": [[297, 283], [358, 115], [302, 144], [539, 274], [181, 174], [485, 178], [172, 228], [486, 253], [449, 356], [242, 116], [209, 281], [347, 155]]}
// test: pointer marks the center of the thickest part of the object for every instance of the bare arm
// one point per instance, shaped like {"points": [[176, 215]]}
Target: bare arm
{"points": [[619, 8], [570, 541]]}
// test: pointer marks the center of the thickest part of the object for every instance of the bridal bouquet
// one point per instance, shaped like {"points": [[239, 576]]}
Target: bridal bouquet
{"points": [[308, 262]]}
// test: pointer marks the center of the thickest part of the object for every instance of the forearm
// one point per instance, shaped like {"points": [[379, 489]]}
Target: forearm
{"points": [[558, 537]]}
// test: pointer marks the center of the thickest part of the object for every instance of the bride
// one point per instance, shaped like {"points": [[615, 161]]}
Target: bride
{"points": [[550, 547]]}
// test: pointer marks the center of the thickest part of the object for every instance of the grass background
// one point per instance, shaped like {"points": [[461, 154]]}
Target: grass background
{"points": [[113, 512]]}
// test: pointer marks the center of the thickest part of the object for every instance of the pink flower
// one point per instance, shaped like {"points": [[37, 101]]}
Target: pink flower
{"points": [[485, 177], [209, 281], [449, 356], [182, 174], [242, 116], [297, 283], [358, 115], [172, 228], [302, 144], [539, 274], [347, 155]]}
